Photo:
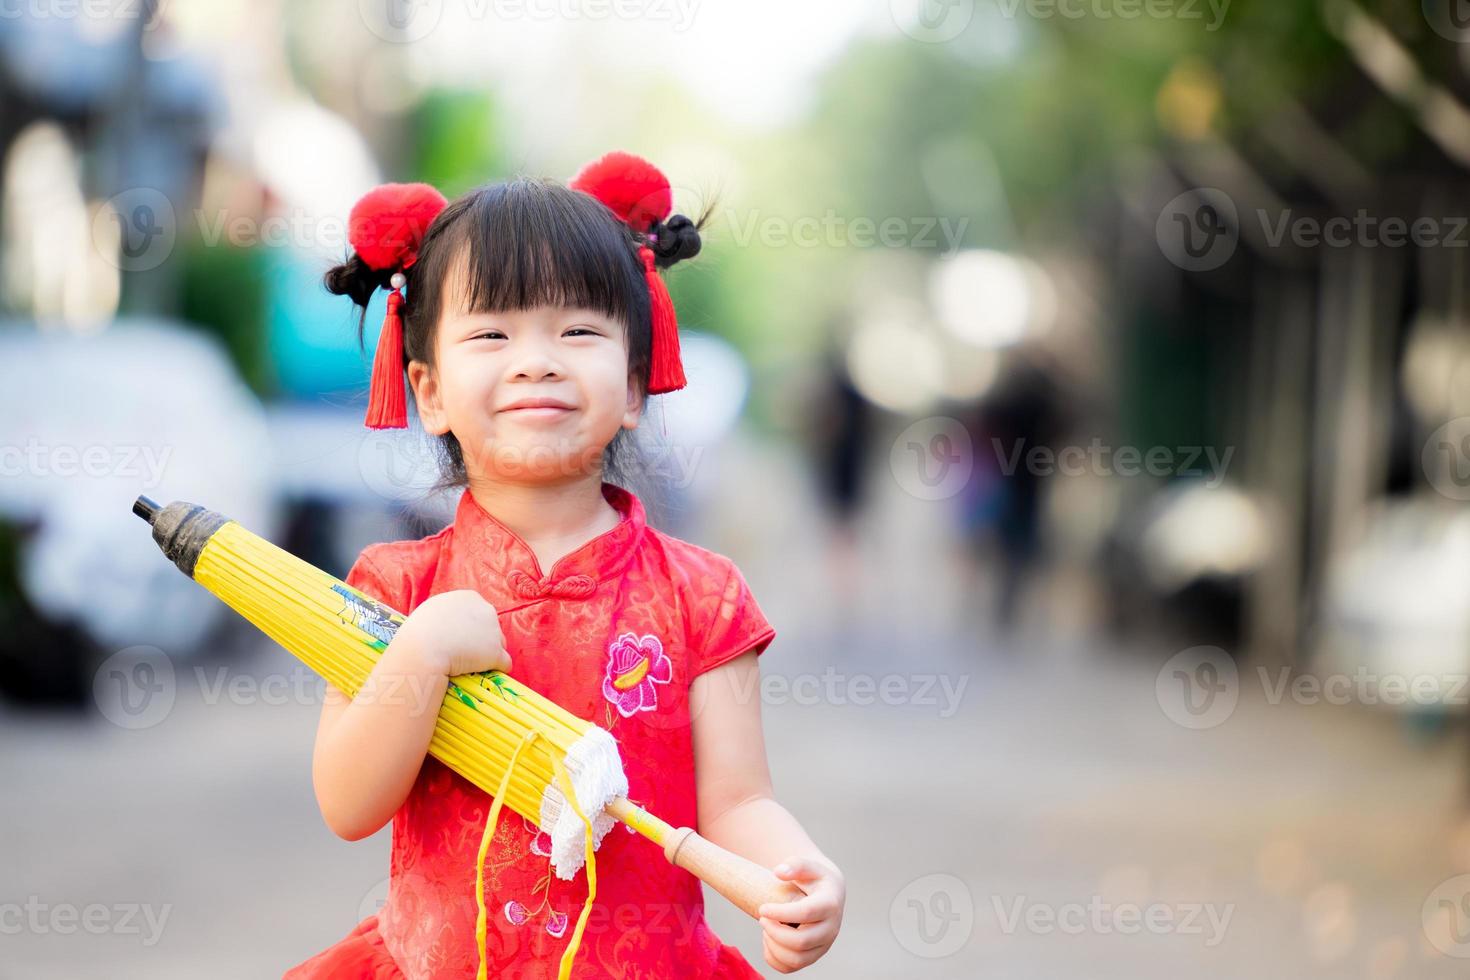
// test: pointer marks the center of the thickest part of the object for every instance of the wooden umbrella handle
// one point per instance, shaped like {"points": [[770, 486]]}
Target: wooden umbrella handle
{"points": [[743, 882]]}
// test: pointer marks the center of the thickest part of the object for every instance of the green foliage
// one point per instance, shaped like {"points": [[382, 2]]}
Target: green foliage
{"points": [[456, 140], [223, 293]]}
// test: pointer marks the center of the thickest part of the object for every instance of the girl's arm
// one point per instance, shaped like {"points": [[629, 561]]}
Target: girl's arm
{"points": [[369, 750], [737, 811]]}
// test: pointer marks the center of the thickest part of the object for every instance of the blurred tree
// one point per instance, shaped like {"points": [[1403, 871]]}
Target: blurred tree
{"points": [[223, 293], [457, 141]]}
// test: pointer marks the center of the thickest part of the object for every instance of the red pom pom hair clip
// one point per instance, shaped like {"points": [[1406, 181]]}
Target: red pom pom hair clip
{"points": [[639, 194], [385, 228]]}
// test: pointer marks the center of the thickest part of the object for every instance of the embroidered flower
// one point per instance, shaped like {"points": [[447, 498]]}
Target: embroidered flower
{"points": [[556, 923], [540, 839], [634, 665], [515, 913]]}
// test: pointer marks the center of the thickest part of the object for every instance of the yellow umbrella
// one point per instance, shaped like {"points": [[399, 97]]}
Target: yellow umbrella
{"points": [[571, 785]]}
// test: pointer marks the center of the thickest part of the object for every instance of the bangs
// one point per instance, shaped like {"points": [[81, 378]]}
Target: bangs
{"points": [[529, 243]]}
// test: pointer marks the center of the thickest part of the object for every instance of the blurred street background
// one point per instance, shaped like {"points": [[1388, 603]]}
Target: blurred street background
{"points": [[1083, 387]]}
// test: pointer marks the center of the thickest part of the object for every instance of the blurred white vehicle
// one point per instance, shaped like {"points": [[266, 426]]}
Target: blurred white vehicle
{"points": [[87, 423], [1396, 616]]}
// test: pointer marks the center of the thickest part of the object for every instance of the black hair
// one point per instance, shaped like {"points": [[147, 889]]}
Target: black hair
{"points": [[524, 243]]}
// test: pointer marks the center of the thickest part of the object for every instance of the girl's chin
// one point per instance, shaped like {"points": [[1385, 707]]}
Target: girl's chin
{"points": [[540, 459]]}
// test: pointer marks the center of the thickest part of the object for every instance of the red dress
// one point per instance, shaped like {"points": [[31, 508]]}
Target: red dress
{"points": [[615, 634]]}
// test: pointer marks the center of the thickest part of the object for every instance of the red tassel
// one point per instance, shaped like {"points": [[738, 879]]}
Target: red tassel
{"points": [[666, 373], [387, 405]]}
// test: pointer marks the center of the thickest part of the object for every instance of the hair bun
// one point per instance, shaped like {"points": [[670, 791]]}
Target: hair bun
{"points": [[674, 240], [356, 280]]}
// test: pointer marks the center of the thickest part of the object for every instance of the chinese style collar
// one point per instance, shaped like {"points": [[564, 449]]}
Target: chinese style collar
{"points": [[506, 568]]}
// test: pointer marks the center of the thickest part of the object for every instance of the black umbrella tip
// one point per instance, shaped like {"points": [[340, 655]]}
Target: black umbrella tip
{"points": [[146, 508]]}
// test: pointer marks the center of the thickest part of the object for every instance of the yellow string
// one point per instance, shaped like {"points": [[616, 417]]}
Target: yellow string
{"points": [[571, 795], [481, 922], [481, 917]]}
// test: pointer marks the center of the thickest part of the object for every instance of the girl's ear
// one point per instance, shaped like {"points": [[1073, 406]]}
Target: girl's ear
{"points": [[634, 409], [425, 384]]}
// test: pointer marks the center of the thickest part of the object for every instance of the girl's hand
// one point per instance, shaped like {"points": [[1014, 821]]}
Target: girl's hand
{"points": [[819, 915], [456, 632]]}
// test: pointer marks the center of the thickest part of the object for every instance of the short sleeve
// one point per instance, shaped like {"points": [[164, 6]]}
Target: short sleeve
{"points": [[738, 626], [367, 577]]}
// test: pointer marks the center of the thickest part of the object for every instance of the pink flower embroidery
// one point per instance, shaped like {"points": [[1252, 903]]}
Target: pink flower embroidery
{"points": [[634, 665], [540, 839], [518, 915]]}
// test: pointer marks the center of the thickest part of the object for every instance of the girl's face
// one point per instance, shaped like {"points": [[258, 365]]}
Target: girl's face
{"points": [[490, 365]]}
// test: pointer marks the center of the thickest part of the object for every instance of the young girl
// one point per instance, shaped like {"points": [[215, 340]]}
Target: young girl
{"points": [[533, 324]]}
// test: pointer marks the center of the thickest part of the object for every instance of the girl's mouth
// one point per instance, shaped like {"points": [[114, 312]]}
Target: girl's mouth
{"points": [[538, 412]]}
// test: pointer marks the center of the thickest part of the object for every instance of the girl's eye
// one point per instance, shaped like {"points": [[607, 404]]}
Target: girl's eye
{"points": [[571, 332]]}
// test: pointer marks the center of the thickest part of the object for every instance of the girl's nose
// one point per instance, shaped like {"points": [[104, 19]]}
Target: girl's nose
{"points": [[538, 372], [536, 363]]}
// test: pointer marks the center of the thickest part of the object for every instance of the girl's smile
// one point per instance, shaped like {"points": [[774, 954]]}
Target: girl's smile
{"points": [[538, 409], [538, 414]]}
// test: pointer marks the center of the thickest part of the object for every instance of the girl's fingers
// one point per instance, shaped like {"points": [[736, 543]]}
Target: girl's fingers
{"points": [[796, 934], [799, 869], [786, 961], [778, 957], [807, 909], [818, 904], [818, 935]]}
